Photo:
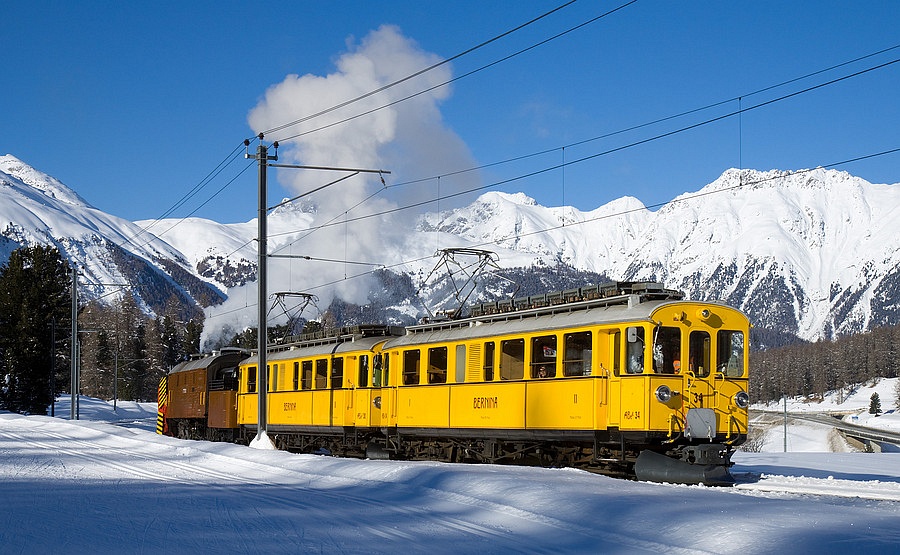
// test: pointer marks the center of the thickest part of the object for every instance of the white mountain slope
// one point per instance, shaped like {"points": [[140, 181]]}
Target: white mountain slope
{"points": [[816, 251], [38, 209]]}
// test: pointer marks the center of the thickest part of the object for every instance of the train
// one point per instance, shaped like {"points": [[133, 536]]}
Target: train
{"points": [[625, 378]]}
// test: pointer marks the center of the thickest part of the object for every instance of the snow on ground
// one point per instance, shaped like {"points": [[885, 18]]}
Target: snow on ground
{"points": [[109, 484]]}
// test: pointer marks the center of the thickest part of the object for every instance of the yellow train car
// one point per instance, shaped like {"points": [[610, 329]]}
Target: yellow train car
{"points": [[591, 383], [623, 378], [323, 391]]}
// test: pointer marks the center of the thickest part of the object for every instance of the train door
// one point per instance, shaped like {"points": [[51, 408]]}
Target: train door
{"points": [[362, 393]]}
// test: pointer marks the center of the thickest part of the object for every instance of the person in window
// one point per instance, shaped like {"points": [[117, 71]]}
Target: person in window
{"points": [[542, 372]]}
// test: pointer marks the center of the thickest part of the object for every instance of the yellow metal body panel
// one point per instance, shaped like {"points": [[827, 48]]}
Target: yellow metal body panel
{"points": [[488, 405], [290, 407], [423, 406], [321, 407], [633, 404], [363, 409], [560, 404], [248, 408]]}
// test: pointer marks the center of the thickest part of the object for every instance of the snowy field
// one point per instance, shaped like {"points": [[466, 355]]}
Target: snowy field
{"points": [[109, 484]]}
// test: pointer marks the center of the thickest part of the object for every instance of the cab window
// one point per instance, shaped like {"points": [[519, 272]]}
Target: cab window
{"points": [[512, 359], [337, 373], [376, 370], [296, 376], [363, 378], [460, 363], [698, 355], [577, 354], [730, 353], [322, 373], [489, 361], [634, 350], [251, 379], [437, 365], [666, 350], [411, 367], [306, 374], [543, 356]]}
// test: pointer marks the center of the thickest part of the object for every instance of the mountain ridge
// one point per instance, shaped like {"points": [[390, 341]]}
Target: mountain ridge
{"points": [[813, 252]]}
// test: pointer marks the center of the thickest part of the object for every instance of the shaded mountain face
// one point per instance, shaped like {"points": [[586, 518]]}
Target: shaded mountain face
{"points": [[810, 254]]}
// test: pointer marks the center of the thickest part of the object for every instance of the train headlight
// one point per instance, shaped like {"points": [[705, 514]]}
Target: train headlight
{"points": [[663, 394], [741, 399]]}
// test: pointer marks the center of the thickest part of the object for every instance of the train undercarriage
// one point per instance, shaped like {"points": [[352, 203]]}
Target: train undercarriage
{"points": [[635, 456]]}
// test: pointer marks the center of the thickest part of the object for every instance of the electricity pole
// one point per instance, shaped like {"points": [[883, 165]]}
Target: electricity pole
{"points": [[262, 373], [262, 157]]}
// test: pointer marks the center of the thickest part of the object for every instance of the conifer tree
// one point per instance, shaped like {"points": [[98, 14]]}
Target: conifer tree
{"points": [[34, 297], [875, 404]]}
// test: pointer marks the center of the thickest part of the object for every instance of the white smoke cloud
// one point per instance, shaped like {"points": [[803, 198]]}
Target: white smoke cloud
{"points": [[409, 139]]}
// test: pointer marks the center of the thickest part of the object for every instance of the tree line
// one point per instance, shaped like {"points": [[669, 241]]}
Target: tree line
{"points": [[813, 369], [123, 351]]}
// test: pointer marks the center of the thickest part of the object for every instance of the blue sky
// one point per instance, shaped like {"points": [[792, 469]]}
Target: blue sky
{"points": [[133, 104]]}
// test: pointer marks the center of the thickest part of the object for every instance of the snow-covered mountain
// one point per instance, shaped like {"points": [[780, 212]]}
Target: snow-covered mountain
{"points": [[38, 209], [815, 253]]}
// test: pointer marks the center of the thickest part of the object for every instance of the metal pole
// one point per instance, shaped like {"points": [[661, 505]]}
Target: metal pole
{"points": [[116, 381], [53, 366], [73, 387], [262, 157], [785, 423]]}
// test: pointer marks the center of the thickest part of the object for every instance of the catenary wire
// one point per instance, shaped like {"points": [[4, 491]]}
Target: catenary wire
{"points": [[462, 76], [682, 199], [418, 73]]}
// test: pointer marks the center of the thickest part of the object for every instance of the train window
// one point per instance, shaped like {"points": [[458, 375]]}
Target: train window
{"points": [[543, 356], [437, 365], [337, 373], [577, 355], [666, 350], [698, 354], [617, 352], [296, 376], [385, 369], [489, 361], [512, 359], [411, 367], [322, 373], [730, 353], [634, 351], [251, 379], [376, 370], [460, 363], [363, 380], [306, 375]]}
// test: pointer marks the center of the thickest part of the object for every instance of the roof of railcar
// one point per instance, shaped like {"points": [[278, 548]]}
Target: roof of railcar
{"points": [[321, 349], [583, 314], [217, 357]]}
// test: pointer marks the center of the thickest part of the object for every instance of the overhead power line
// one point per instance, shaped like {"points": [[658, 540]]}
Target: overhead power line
{"points": [[682, 199], [611, 150], [462, 76], [418, 73]]}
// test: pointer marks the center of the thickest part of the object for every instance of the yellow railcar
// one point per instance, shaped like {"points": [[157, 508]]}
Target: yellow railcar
{"points": [[324, 393], [621, 378]]}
